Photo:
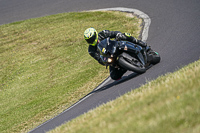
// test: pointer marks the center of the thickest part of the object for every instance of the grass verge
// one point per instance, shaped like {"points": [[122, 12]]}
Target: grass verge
{"points": [[45, 66], [169, 104]]}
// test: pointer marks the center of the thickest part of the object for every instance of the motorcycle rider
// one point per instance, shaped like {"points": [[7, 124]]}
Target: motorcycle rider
{"points": [[93, 38]]}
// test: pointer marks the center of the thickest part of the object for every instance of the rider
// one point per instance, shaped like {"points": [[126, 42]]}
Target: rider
{"points": [[93, 38]]}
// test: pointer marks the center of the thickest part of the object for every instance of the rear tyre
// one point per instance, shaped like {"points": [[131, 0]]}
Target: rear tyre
{"points": [[134, 66], [156, 57]]}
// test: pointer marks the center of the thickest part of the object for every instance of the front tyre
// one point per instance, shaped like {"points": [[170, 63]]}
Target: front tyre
{"points": [[134, 66]]}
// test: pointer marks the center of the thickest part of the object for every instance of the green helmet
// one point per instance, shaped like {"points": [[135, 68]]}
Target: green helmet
{"points": [[91, 36]]}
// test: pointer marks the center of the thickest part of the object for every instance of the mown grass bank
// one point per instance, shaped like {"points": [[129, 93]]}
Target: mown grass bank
{"points": [[169, 104], [45, 66]]}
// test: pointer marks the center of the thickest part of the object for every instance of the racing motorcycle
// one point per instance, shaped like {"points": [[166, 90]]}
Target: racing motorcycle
{"points": [[127, 55]]}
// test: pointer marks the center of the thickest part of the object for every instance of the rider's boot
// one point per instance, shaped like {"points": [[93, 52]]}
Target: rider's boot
{"points": [[146, 48], [143, 45]]}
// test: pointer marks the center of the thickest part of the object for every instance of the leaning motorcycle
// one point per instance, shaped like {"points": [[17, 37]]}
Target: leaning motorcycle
{"points": [[127, 55]]}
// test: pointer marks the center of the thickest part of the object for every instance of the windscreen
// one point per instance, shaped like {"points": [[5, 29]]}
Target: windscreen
{"points": [[107, 47]]}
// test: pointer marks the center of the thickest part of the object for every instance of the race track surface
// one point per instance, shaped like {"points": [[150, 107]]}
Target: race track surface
{"points": [[174, 33]]}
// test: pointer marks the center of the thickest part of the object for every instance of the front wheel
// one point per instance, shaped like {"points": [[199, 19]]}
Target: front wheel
{"points": [[133, 65]]}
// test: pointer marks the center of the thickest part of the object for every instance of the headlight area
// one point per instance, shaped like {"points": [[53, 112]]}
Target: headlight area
{"points": [[110, 60], [107, 60]]}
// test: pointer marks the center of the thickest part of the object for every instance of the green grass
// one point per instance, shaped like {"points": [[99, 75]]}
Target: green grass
{"points": [[169, 104], [45, 66]]}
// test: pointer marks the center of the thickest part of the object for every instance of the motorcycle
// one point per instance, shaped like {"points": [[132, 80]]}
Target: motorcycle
{"points": [[127, 55]]}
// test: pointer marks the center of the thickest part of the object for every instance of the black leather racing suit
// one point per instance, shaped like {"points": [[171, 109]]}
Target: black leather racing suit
{"points": [[115, 73]]}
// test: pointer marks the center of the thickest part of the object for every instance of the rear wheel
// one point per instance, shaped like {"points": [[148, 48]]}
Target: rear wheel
{"points": [[155, 57], [132, 65]]}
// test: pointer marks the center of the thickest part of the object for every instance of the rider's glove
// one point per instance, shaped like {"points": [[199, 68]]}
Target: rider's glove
{"points": [[106, 33], [120, 36]]}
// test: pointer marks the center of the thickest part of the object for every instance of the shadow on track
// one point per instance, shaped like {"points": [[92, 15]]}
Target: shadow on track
{"points": [[124, 79]]}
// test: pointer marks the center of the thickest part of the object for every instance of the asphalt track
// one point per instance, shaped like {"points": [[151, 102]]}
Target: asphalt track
{"points": [[174, 33]]}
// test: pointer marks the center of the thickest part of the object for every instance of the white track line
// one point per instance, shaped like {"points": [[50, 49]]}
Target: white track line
{"points": [[138, 13]]}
